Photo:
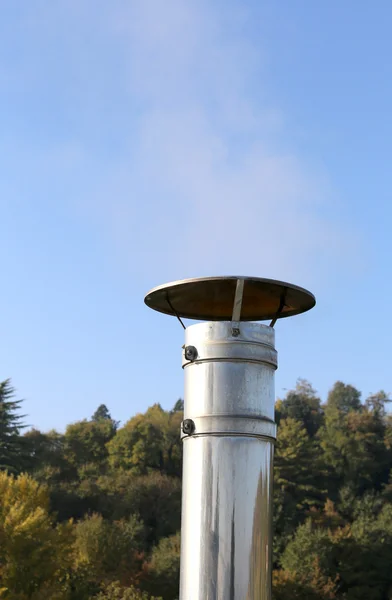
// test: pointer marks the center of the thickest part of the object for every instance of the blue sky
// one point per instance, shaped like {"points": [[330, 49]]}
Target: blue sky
{"points": [[150, 140]]}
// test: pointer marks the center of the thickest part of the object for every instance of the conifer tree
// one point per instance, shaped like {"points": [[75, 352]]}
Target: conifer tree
{"points": [[11, 444]]}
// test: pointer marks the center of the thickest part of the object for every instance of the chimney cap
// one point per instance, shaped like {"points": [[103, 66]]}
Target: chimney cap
{"points": [[232, 298]]}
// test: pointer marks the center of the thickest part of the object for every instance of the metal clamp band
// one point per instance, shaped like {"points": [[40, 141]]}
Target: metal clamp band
{"points": [[231, 425]]}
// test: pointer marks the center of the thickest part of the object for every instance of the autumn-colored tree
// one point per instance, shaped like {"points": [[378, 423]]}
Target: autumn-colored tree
{"points": [[35, 555], [287, 585], [115, 591], [108, 551], [162, 572], [332, 504]]}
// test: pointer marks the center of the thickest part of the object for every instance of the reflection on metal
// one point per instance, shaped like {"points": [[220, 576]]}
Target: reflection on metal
{"points": [[227, 476], [228, 430]]}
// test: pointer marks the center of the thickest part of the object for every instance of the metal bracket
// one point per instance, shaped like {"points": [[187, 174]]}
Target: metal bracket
{"points": [[236, 315], [174, 310], [281, 307]]}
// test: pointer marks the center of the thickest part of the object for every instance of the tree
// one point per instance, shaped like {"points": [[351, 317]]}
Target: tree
{"points": [[34, 555], [354, 449], [298, 479], [287, 585], [45, 453], [376, 404], [85, 444], [179, 406], [115, 591], [108, 551], [11, 443], [364, 552], [356, 557], [155, 498], [344, 398], [102, 414], [302, 404], [148, 442], [162, 572], [332, 496], [309, 544]]}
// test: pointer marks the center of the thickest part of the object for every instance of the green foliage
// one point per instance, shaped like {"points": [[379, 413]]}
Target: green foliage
{"points": [[148, 442], [45, 453], [288, 585], [296, 455], [156, 498], [163, 570], [365, 552], [108, 550], [308, 546], [343, 551], [115, 591], [298, 480], [354, 448], [376, 403], [122, 489], [85, 443], [34, 555], [344, 398], [302, 404], [102, 414], [12, 454], [179, 406]]}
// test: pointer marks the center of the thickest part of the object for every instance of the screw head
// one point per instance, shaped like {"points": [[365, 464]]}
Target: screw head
{"points": [[190, 353], [188, 426]]}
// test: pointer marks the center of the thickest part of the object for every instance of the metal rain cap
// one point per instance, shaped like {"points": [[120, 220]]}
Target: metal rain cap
{"points": [[232, 298]]}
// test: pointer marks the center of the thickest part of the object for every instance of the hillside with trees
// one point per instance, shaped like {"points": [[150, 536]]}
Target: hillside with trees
{"points": [[94, 512]]}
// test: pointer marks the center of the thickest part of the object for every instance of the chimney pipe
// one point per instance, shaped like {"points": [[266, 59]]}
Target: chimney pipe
{"points": [[228, 430]]}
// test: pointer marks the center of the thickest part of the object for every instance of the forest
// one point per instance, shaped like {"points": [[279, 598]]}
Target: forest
{"points": [[94, 512]]}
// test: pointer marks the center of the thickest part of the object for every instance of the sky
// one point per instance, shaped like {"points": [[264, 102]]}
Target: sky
{"points": [[144, 141]]}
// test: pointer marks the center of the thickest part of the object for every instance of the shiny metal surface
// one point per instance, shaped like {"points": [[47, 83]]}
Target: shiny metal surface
{"points": [[226, 519], [228, 458], [213, 299]]}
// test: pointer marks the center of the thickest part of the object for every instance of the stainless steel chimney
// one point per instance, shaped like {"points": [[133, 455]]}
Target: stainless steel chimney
{"points": [[228, 430]]}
